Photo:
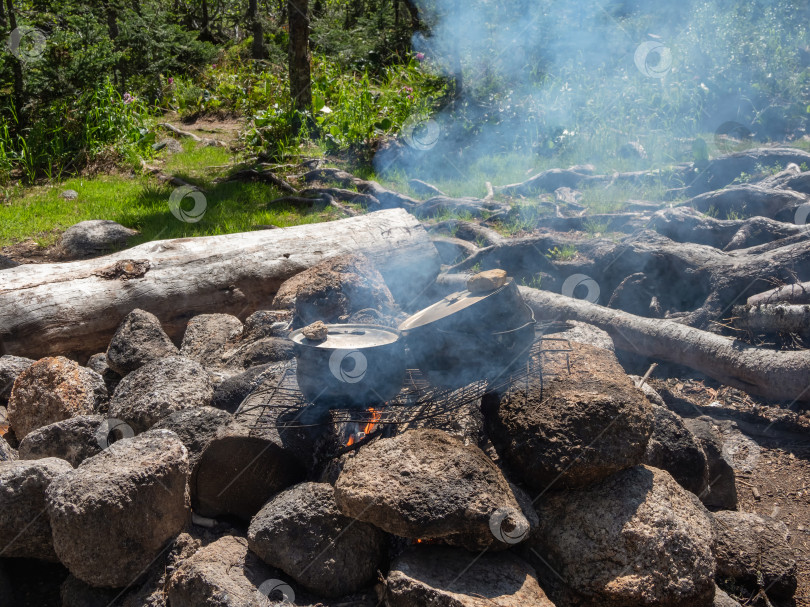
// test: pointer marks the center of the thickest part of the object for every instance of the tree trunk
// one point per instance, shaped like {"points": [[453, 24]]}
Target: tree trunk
{"points": [[300, 74], [3, 22], [74, 308], [770, 373], [257, 49], [16, 67]]}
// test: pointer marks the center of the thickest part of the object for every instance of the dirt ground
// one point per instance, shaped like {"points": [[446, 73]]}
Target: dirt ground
{"points": [[777, 483]]}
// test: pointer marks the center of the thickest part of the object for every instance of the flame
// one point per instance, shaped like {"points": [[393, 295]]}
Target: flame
{"points": [[376, 416]]}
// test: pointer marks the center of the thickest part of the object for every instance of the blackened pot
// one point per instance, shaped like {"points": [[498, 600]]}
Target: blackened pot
{"points": [[355, 367]]}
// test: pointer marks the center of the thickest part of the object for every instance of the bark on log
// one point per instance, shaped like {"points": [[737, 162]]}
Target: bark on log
{"points": [[774, 374], [74, 308], [790, 294], [774, 318]]}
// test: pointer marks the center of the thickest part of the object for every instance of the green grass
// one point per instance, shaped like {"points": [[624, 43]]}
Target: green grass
{"points": [[142, 203]]}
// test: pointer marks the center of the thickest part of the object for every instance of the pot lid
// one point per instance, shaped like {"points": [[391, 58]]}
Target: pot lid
{"points": [[349, 337], [453, 303]]}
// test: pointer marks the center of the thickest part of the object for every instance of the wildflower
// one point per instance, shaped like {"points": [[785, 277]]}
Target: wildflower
{"points": [[420, 56], [127, 98], [171, 80]]}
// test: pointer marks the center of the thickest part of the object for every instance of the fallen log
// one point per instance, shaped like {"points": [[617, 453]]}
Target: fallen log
{"points": [[773, 318], [74, 308], [777, 375], [791, 294]]}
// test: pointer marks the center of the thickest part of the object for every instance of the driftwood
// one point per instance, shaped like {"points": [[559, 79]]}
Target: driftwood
{"points": [[774, 374], [76, 307], [773, 318], [791, 294]]}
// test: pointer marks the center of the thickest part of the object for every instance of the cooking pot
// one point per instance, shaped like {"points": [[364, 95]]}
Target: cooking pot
{"points": [[356, 365], [470, 336]]}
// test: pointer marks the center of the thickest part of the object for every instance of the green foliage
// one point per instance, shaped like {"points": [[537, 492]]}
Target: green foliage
{"points": [[565, 253]]}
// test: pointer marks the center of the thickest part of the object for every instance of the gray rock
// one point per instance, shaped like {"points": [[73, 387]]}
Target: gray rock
{"points": [[7, 452], [195, 427], [229, 394], [7, 263], [206, 336], [450, 577], [633, 150], [674, 448], [243, 467], [426, 484], [748, 546], [634, 538], [112, 516], [98, 363], [138, 340], [93, 238], [50, 390], [302, 532], [158, 389], [722, 599], [721, 492], [570, 428], [333, 289], [10, 368], [222, 574], [25, 529], [69, 195], [73, 440], [260, 352], [267, 323]]}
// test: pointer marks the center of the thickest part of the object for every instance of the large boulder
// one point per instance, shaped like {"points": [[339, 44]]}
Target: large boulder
{"points": [[721, 491], [222, 574], [243, 466], [266, 350], [441, 576], [674, 448], [10, 368], [335, 289], [113, 515], [25, 528], [634, 538], [158, 389], [267, 323], [94, 237], [302, 532], [195, 427], [751, 549], [570, 427], [139, 339], [426, 484], [206, 337], [73, 440], [50, 390]]}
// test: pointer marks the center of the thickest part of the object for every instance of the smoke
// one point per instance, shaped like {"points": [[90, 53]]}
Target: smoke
{"points": [[581, 77]]}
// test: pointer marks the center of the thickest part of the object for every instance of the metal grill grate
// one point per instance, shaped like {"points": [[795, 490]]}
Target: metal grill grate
{"points": [[280, 404]]}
